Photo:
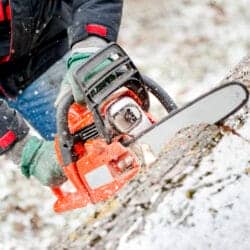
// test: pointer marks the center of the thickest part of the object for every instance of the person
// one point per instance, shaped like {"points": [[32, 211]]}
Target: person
{"points": [[39, 42]]}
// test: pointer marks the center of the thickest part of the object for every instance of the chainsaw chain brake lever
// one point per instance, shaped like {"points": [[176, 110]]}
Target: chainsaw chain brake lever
{"points": [[119, 72]]}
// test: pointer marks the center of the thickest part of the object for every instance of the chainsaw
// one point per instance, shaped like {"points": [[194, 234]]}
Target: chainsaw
{"points": [[102, 144]]}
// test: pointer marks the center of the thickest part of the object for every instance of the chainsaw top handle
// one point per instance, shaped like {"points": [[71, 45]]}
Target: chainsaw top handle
{"points": [[120, 72]]}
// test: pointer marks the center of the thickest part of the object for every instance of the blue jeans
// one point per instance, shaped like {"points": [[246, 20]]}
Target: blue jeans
{"points": [[36, 102]]}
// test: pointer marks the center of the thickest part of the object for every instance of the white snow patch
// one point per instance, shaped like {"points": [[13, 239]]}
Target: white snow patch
{"points": [[218, 215]]}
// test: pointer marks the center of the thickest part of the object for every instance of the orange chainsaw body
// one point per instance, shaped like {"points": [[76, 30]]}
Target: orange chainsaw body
{"points": [[101, 169], [91, 139]]}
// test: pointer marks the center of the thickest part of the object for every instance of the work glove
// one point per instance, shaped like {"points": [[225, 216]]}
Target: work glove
{"points": [[39, 160], [81, 52], [35, 156]]}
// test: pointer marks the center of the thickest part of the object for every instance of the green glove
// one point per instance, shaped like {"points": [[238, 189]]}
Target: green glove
{"points": [[39, 159]]}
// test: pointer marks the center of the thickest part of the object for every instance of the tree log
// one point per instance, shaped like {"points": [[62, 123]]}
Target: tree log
{"points": [[194, 197]]}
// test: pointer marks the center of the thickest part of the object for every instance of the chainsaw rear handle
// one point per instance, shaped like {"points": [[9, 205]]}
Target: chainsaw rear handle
{"points": [[126, 75]]}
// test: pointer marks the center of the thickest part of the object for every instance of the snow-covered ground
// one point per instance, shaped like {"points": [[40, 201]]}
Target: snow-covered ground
{"points": [[186, 45], [217, 215]]}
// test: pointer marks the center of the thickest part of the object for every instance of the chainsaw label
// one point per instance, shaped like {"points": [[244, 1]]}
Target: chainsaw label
{"points": [[99, 177]]}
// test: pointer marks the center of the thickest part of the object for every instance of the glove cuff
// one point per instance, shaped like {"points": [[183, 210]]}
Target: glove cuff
{"points": [[78, 57], [88, 44], [84, 49], [28, 154]]}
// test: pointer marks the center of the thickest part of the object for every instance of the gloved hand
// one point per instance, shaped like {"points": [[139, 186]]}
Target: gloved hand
{"points": [[80, 54], [35, 156], [39, 159]]}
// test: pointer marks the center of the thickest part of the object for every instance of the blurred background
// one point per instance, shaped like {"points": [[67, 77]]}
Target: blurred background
{"points": [[187, 46]]}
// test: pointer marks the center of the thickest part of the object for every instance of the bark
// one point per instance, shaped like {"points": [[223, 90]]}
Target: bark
{"points": [[178, 196]]}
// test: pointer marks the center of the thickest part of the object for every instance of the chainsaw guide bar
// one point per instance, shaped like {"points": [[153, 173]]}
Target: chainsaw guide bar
{"points": [[210, 108]]}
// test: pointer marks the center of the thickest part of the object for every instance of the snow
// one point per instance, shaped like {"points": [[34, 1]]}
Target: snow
{"points": [[187, 46], [216, 217], [27, 218]]}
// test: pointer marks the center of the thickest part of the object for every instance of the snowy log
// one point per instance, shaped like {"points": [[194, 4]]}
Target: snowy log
{"points": [[196, 196]]}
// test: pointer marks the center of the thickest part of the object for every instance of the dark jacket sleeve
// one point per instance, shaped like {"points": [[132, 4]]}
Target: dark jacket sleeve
{"points": [[95, 17]]}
